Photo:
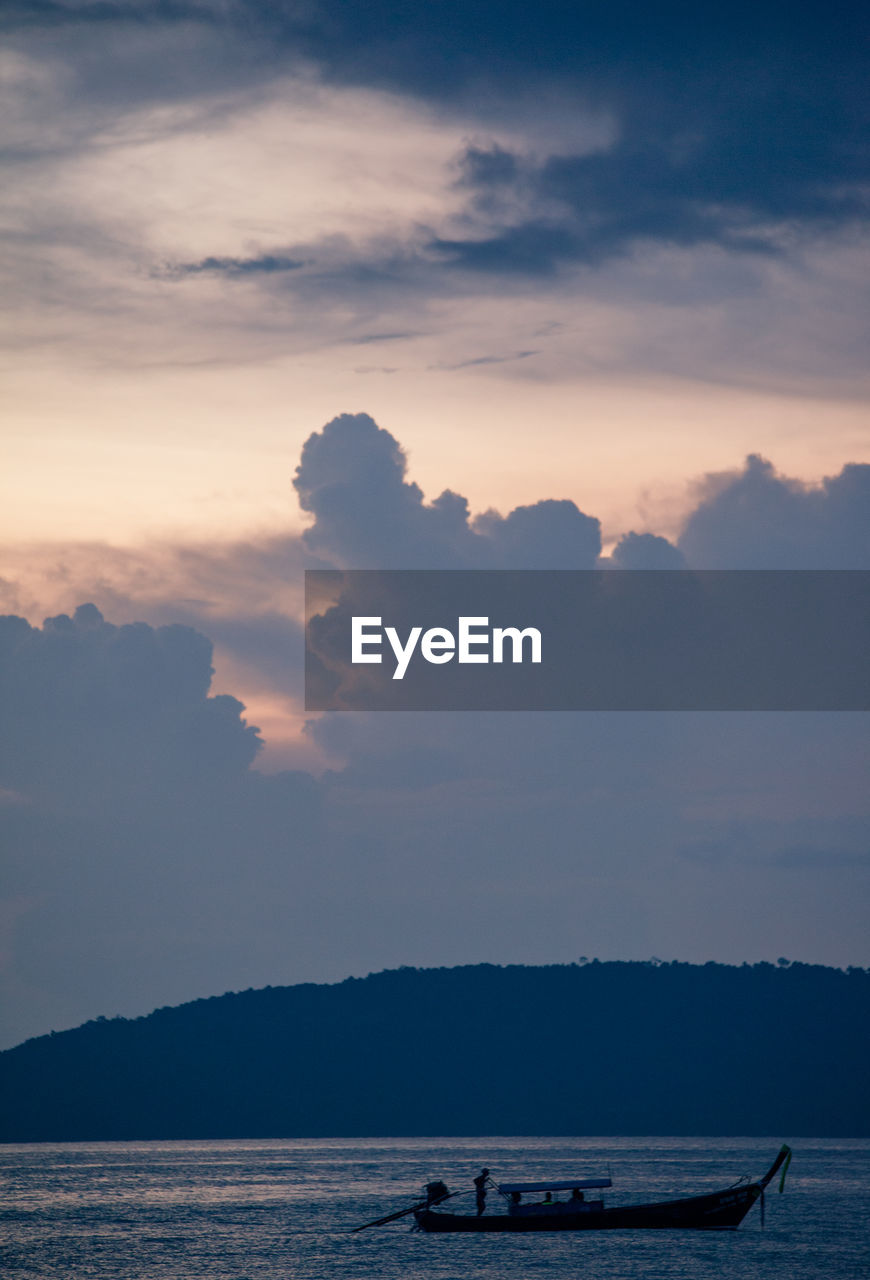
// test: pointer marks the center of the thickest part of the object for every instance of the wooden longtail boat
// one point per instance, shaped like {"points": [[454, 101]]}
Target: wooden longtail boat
{"points": [[718, 1210]]}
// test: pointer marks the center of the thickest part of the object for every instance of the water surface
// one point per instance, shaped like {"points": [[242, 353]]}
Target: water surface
{"points": [[282, 1210]]}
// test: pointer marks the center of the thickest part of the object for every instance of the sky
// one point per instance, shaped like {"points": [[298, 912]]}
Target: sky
{"points": [[453, 285]]}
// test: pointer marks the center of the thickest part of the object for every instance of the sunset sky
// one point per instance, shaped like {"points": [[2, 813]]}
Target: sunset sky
{"points": [[590, 252]]}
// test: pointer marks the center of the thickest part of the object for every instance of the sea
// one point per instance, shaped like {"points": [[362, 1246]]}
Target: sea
{"points": [[284, 1210]]}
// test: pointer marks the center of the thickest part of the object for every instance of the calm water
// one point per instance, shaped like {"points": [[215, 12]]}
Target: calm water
{"points": [[282, 1209]]}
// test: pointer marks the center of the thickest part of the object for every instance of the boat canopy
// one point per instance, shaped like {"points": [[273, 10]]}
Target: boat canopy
{"points": [[582, 1184]]}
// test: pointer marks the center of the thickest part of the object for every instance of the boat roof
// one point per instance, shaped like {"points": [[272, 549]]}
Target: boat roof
{"points": [[583, 1184]]}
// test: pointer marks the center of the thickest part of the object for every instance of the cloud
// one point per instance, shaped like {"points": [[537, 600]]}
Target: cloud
{"points": [[365, 510], [552, 533], [757, 519], [264, 264], [87, 705], [142, 842], [724, 179], [351, 478], [487, 168], [735, 131], [481, 360], [356, 177], [646, 551], [353, 484], [533, 248]]}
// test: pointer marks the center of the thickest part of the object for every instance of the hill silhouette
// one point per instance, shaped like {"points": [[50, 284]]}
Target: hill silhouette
{"points": [[598, 1048]]}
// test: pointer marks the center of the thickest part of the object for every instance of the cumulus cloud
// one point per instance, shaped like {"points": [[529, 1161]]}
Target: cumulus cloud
{"points": [[353, 468], [143, 854], [246, 595], [551, 533], [366, 511], [351, 478], [756, 518], [87, 706], [646, 551]]}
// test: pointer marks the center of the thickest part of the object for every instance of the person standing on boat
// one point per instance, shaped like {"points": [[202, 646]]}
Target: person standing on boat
{"points": [[480, 1189]]}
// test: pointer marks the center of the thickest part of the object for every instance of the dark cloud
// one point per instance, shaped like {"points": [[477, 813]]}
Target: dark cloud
{"points": [[481, 360], [741, 175], [265, 264], [732, 126], [365, 338], [758, 519], [534, 248], [492, 167], [736, 125]]}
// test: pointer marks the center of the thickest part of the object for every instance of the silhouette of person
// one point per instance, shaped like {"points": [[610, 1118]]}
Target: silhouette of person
{"points": [[577, 1195], [480, 1188]]}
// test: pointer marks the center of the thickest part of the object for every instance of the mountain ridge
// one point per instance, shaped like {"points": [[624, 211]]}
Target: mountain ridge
{"points": [[615, 1047]]}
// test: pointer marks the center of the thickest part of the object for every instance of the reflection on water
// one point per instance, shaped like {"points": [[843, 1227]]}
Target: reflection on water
{"points": [[264, 1210]]}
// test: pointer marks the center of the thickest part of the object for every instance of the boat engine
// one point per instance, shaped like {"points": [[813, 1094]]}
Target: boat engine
{"points": [[435, 1192]]}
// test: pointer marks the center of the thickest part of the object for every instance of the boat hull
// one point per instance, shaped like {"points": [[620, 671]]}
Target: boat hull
{"points": [[719, 1211]]}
